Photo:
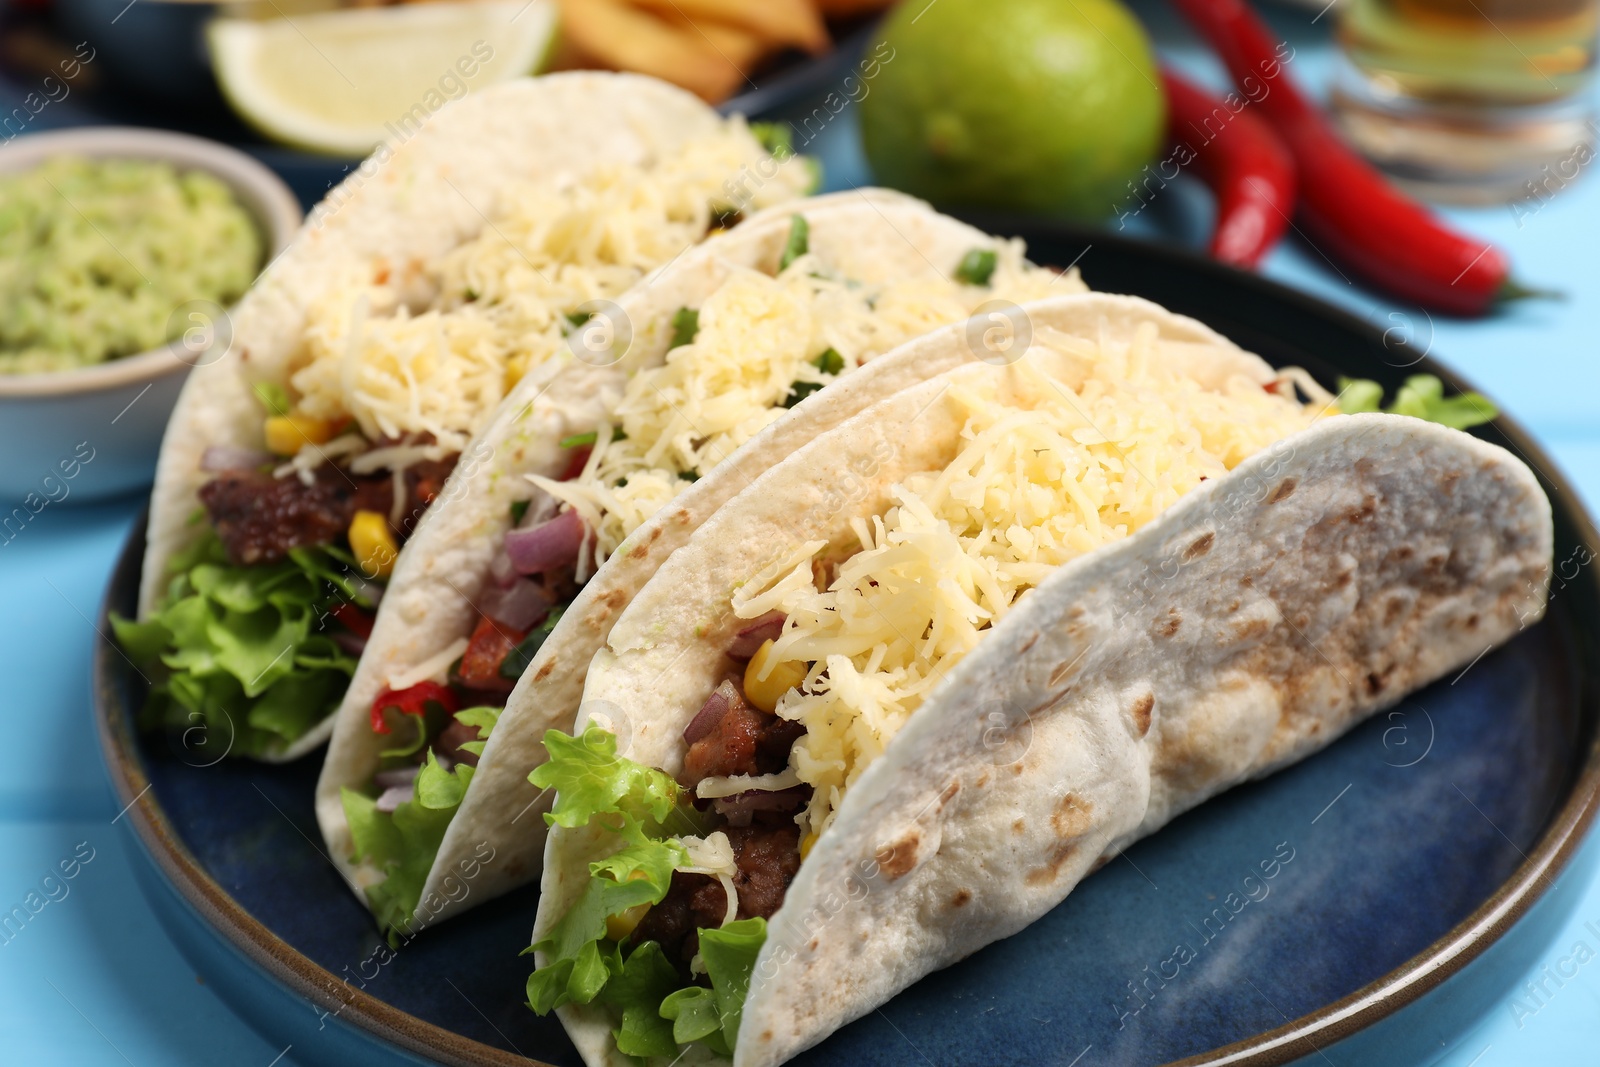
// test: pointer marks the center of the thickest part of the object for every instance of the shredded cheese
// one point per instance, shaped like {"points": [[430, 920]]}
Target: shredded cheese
{"points": [[1061, 455], [758, 336], [432, 348], [733, 784], [713, 855]]}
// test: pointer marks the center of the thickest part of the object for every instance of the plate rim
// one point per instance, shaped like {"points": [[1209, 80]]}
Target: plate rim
{"points": [[1442, 959]]}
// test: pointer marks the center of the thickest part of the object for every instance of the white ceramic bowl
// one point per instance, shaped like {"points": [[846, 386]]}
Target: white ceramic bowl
{"points": [[94, 432]]}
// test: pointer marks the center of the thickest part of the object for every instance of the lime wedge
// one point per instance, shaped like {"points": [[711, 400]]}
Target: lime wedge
{"points": [[341, 82]]}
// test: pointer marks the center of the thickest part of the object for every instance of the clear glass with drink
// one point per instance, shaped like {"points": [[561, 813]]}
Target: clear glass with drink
{"points": [[1470, 101]]}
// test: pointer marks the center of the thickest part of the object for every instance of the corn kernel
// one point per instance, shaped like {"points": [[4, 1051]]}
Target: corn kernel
{"points": [[806, 843], [287, 434], [782, 677], [372, 544], [623, 923]]}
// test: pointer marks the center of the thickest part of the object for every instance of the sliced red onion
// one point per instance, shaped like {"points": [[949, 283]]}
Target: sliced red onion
{"points": [[399, 776], [748, 641], [352, 643], [393, 797], [233, 458], [738, 808], [711, 712], [520, 606], [549, 546]]}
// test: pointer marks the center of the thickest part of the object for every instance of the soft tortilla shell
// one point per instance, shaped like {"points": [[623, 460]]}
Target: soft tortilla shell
{"points": [[440, 576], [400, 209], [502, 812], [1263, 615]]}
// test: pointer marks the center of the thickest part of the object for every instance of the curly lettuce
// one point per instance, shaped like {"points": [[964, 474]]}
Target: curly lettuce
{"points": [[404, 843], [655, 1011], [1422, 397], [241, 659]]}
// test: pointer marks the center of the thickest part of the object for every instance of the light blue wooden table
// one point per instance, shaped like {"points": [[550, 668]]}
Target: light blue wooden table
{"points": [[92, 980]]}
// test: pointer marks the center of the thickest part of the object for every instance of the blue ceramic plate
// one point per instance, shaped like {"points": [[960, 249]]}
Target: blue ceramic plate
{"points": [[1329, 912]]}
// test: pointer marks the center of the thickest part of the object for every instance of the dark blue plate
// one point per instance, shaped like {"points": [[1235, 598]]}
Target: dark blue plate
{"points": [[1330, 912]]}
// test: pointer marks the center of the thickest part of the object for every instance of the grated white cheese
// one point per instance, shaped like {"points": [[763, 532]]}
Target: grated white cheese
{"points": [[1053, 465], [734, 784], [433, 347], [759, 335], [713, 855], [432, 669]]}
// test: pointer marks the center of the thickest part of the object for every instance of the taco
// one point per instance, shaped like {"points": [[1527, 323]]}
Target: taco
{"points": [[843, 738], [589, 477], [302, 455]]}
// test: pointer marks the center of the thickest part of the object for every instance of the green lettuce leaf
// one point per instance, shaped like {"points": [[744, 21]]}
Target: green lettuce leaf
{"points": [[657, 1012], [640, 874], [591, 779], [1422, 396], [240, 659], [404, 843], [730, 958], [636, 994]]}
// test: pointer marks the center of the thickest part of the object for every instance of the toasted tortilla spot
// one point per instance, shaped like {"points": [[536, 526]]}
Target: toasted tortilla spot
{"points": [[896, 860], [1029, 643], [814, 944], [1019, 825], [1140, 713], [612, 599], [949, 793], [1061, 672], [961, 899], [1281, 491], [1059, 855], [1072, 816], [982, 781], [1472, 621], [1200, 546], [1368, 508], [1169, 625], [544, 672], [1252, 628], [642, 549]]}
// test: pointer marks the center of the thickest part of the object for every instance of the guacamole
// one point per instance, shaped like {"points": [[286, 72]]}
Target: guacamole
{"points": [[97, 255]]}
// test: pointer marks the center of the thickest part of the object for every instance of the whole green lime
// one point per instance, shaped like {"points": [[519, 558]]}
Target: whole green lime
{"points": [[1048, 106]]}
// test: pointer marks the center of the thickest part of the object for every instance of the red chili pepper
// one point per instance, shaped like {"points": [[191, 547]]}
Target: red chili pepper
{"points": [[1350, 211], [353, 618], [1243, 162], [413, 700]]}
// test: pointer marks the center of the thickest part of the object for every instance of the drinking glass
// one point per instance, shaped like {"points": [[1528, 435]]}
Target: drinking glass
{"points": [[1470, 101]]}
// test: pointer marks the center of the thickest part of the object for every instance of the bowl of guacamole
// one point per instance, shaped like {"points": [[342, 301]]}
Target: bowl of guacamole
{"points": [[122, 251]]}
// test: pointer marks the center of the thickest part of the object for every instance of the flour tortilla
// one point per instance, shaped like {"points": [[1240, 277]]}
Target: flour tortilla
{"points": [[870, 235], [502, 811], [399, 210], [1254, 622]]}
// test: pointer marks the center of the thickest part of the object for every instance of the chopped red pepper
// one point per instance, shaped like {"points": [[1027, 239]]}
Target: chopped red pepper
{"points": [[413, 700], [490, 644], [353, 618]]}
